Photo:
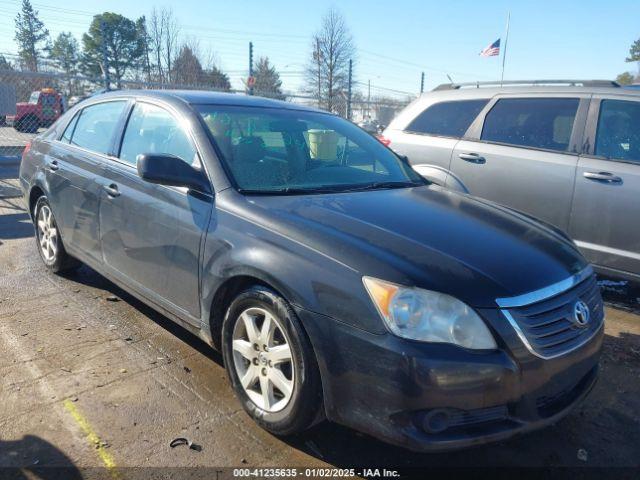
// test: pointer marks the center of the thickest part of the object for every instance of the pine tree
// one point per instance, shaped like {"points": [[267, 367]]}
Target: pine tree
{"points": [[268, 83], [30, 35]]}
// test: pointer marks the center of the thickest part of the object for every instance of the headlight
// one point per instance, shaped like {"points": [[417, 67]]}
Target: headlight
{"points": [[428, 316]]}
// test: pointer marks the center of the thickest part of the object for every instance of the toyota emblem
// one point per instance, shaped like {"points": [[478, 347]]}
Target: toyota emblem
{"points": [[580, 313]]}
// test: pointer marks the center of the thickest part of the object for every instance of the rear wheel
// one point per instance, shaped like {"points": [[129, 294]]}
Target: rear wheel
{"points": [[49, 243], [270, 362]]}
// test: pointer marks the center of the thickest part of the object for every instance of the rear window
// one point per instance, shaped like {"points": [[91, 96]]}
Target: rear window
{"points": [[96, 125], [449, 119], [532, 122]]}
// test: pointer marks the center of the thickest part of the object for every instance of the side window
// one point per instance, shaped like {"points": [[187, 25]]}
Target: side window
{"points": [[450, 119], [96, 125], [152, 129], [66, 136], [618, 134], [532, 122]]}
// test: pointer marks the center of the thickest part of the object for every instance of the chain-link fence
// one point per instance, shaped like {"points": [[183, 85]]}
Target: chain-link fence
{"points": [[32, 101]]}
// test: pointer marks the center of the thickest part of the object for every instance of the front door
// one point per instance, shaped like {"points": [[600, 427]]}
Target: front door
{"points": [[151, 234], [606, 208], [522, 157]]}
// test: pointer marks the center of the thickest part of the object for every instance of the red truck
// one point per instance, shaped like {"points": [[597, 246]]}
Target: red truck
{"points": [[43, 108]]}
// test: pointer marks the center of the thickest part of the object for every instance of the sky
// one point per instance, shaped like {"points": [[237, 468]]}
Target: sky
{"points": [[395, 41]]}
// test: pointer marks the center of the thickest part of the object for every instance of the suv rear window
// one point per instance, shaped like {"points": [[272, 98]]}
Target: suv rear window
{"points": [[618, 134], [532, 122], [448, 119]]}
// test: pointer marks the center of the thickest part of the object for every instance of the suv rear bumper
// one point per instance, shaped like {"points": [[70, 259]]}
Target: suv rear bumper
{"points": [[390, 388]]}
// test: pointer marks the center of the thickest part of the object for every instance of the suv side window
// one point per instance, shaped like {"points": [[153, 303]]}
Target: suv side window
{"points": [[96, 125], [618, 134], [448, 119], [532, 122], [152, 129]]}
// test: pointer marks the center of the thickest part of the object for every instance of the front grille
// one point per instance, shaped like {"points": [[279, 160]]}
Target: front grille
{"points": [[548, 326]]}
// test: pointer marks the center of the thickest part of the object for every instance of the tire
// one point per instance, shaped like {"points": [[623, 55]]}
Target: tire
{"points": [[28, 124], [274, 412], [48, 240]]}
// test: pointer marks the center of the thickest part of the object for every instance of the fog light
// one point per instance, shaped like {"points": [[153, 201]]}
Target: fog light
{"points": [[436, 421]]}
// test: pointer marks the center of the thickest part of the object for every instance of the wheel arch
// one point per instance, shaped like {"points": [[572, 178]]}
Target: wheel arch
{"points": [[35, 193], [234, 285]]}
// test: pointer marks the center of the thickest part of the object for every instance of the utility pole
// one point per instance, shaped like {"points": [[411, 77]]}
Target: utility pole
{"points": [[422, 83], [369, 101], [105, 58], [251, 67], [349, 90]]}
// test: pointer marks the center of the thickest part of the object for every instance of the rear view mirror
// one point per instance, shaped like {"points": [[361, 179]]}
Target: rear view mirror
{"points": [[165, 169]]}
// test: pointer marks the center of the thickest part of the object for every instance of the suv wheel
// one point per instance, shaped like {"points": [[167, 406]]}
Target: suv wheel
{"points": [[48, 239], [270, 362]]}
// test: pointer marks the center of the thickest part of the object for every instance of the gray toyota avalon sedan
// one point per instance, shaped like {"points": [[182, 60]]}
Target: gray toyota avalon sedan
{"points": [[336, 281]]}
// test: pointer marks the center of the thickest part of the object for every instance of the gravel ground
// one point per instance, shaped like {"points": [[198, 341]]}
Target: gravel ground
{"points": [[92, 377]]}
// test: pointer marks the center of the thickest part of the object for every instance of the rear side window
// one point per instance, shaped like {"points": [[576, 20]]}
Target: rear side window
{"points": [[532, 122], [449, 119], [618, 135], [152, 129], [95, 128]]}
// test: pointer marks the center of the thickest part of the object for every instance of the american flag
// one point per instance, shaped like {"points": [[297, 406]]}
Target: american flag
{"points": [[492, 50]]}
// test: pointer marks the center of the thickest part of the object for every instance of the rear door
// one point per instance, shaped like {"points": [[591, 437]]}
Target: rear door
{"points": [[151, 234], [525, 154], [75, 166], [606, 209], [430, 137]]}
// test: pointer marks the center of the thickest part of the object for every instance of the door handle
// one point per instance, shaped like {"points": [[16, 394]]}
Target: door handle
{"points": [[53, 166], [472, 157], [604, 177], [112, 190]]}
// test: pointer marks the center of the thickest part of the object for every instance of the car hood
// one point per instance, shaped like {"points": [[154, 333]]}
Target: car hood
{"points": [[428, 237], [25, 106]]}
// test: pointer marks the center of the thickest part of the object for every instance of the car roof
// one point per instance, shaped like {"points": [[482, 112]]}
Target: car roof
{"points": [[204, 97]]}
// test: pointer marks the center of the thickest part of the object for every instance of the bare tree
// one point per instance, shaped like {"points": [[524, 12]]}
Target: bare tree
{"points": [[328, 70], [171, 32], [156, 34], [163, 31]]}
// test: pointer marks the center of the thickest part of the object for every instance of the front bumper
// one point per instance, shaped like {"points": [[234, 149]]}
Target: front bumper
{"points": [[390, 388]]}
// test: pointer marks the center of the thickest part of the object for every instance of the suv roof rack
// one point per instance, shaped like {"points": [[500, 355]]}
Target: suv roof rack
{"points": [[506, 83]]}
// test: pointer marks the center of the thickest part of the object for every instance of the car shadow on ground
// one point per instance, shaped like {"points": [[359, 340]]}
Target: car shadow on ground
{"points": [[33, 457], [557, 445], [90, 278]]}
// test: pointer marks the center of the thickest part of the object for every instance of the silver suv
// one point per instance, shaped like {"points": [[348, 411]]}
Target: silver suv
{"points": [[566, 152]]}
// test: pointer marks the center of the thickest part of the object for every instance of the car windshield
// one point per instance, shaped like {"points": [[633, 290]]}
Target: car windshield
{"points": [[33, 99], [283, 151]]}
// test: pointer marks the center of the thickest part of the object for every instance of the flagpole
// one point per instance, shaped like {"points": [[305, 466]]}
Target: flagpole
{"points": [[504, 53]]}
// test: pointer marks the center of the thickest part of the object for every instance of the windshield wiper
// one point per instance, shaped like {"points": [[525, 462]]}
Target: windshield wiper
{"points": [[383, 185], [333, 188], [292, 190]]}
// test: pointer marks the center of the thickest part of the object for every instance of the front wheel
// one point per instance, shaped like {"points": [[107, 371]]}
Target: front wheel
{"points": [[270, 362], [49, 243]]}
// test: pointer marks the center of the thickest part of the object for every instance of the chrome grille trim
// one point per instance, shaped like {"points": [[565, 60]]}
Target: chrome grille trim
{"points": [[545, 327], [546, 292]]}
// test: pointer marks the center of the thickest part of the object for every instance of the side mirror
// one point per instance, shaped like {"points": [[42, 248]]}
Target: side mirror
{"points": [[165, 169]]}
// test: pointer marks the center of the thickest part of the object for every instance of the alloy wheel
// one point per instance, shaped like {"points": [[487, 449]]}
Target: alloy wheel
{"points": [[263, 359], [47, 233]]}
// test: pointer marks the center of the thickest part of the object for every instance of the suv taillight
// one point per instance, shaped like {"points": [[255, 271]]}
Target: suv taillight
{"points": [[383, 140], [27, 147]]}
